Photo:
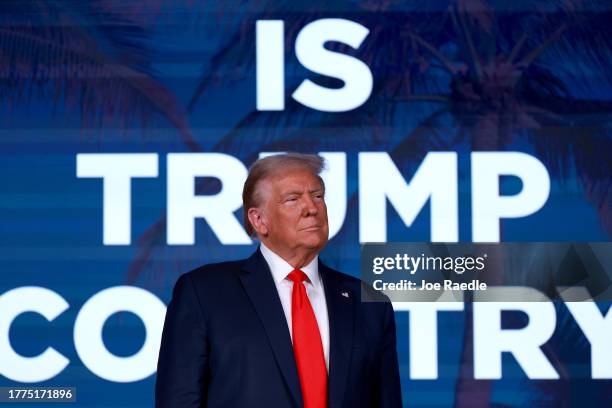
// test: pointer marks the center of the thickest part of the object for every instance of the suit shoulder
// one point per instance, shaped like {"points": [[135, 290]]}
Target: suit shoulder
{"points": [[214, 272]]}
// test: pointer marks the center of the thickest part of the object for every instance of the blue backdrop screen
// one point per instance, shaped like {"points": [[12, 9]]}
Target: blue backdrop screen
{"points": [[127, 129]]}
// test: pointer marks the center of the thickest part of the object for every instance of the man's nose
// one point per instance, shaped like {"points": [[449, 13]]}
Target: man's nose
{"points": [[310, 208]]}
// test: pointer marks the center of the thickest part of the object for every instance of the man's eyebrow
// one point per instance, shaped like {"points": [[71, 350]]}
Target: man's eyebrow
{"points": [[290, 192], [300, 192]]}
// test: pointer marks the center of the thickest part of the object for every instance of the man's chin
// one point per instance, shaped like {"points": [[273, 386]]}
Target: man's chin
{"points": [[315, 242]]}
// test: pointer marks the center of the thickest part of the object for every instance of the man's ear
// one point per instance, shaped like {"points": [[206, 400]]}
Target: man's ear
{"points": [[258, 221]]}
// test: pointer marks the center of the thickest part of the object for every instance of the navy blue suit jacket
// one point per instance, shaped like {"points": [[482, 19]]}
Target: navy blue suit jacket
{"points": [[226, 343]]}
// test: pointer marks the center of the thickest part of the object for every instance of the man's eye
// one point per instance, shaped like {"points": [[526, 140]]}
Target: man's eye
{"points": [[291, 199]]}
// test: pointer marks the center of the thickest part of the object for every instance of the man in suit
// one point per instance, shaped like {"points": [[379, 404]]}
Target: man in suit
{"points": [[279, 329]]}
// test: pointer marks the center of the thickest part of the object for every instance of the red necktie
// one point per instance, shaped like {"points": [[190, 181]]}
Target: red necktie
{"points": [[307, 345]]}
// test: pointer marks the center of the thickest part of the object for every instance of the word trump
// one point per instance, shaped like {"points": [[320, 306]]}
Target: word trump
{"points": [[490, 339], [380, 183]]}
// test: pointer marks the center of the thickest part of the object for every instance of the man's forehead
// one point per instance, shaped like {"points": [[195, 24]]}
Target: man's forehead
{"points": [[295, 180]]}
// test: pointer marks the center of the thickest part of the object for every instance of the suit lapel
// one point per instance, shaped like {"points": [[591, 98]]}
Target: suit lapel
{"points": [[340, 309], [257, 281]]}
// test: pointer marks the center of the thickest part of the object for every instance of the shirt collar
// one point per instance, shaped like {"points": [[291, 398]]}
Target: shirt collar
{"points": [[281, 268]]}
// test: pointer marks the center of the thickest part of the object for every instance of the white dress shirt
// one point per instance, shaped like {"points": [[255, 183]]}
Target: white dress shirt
{"points": [[314, 289]]}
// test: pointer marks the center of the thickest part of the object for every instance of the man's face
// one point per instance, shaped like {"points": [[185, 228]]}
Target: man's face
{"points": [[294, 211]]}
